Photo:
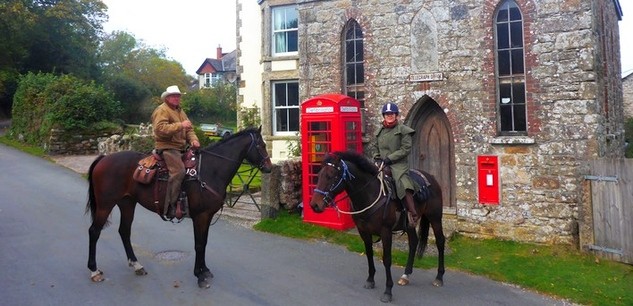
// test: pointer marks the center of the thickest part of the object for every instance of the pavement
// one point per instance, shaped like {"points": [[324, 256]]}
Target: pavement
{"points": [[242, 210]]}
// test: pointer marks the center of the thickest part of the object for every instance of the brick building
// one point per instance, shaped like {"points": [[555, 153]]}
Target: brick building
{"points": [[533, 83]]}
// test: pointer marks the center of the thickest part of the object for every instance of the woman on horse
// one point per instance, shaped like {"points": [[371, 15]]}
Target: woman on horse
{"points": [[392, 146]]}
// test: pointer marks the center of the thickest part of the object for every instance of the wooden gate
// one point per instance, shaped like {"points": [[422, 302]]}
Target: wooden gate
{"points": [[612, 208]]}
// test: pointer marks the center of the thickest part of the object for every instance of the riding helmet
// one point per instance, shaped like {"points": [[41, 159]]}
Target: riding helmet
{"points": [[390, 107]]}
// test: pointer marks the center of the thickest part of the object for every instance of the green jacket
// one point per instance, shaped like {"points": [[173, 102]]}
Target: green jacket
{"points": [[395, 143], [168, 132]]}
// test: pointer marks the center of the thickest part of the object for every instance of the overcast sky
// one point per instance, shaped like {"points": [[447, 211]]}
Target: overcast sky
{"points": [[191, 30]]}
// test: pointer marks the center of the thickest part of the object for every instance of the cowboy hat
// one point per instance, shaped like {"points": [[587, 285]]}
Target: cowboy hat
{"points": [[171, 90]]}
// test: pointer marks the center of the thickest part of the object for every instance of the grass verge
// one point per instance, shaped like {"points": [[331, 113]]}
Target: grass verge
{"points": [[558, 271]]}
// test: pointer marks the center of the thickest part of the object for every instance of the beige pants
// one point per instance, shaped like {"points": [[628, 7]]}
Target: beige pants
{"points": [[173, 159]]}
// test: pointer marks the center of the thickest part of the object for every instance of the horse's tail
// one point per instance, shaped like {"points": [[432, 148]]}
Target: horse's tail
{"points": [[91, 206]]}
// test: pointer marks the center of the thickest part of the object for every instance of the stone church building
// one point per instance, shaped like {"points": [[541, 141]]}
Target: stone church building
{"points": [[509, 98]]}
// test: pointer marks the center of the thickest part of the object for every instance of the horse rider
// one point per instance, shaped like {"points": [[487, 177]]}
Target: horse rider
{"points": [[172, 132], [392, 145]]}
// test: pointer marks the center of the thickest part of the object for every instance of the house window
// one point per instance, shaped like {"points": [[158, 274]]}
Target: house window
{"points": [[354, 70], [285, 97], [510, 70], [211, 79], [285, 30]]}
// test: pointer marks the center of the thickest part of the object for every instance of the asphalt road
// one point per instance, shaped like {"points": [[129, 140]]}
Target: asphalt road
{"points": [[44, 246]]}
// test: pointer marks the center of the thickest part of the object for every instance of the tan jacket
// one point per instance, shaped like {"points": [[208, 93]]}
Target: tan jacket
{"points": [[168, 132]]}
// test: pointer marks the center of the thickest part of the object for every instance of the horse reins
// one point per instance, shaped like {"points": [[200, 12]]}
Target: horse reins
{"points": [[344, 176], [204, 184]]}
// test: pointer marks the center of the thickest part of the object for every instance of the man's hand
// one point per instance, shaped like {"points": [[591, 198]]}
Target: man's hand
{"points": [[186, 125], [387, 161], [195, 144]]}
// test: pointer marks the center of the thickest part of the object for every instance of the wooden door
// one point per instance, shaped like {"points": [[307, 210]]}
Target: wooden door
{"points": [[433, 147]]}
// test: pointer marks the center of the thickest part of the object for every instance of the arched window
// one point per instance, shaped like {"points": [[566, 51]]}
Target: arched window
{"points": [[511, 101], [353, 67]]}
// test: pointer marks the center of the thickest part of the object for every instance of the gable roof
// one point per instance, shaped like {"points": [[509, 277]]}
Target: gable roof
{"points": [[227, 63]]}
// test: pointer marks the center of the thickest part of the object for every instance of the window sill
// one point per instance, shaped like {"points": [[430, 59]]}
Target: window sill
{"points": [[512, 140], [281, 57]]}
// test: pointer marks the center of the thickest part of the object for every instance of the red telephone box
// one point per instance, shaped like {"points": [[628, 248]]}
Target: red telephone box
{"points": [[329, 122]]}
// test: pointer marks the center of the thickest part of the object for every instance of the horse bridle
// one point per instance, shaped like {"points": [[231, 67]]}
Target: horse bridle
{"points": [[346, 175]]}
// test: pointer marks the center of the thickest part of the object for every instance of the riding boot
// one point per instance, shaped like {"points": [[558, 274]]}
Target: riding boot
{"points": [[412, 214]]}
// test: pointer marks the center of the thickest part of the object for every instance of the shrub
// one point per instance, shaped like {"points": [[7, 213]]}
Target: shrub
{"points": [[44, 101]]}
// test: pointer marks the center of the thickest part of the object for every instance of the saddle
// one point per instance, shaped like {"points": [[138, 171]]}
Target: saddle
{"points": [[154, 163], [422, 194], [152, 168]]}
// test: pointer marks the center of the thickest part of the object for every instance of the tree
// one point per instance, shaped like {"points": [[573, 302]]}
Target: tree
{"points": [[57, 36], [215, 104], [137, 74]]}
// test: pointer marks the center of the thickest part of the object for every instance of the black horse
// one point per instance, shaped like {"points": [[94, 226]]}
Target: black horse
{"points": [[375, 213], [111, 183]]}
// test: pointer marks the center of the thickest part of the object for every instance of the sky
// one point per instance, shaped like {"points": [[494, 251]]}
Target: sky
{"points": [[191, 30]]}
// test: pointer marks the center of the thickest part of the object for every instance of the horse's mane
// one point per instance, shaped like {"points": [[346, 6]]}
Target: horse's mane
{"points": [[238, 134], [360, 160]]}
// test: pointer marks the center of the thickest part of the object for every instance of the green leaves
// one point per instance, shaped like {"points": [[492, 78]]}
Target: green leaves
{"points": [[44, 101]]}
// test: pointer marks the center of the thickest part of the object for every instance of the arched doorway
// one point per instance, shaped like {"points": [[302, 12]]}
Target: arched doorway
{"points": [[433, 149]]}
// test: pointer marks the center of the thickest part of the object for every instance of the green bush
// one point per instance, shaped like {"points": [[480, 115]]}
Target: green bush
{"points": [[44, 101]]}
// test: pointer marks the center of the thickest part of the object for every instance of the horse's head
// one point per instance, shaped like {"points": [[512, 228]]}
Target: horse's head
{"points": [[257, 154], [330, 182]]}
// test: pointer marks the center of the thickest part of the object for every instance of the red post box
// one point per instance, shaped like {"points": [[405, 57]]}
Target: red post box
{"points": [[488, 179], [329, 122]]}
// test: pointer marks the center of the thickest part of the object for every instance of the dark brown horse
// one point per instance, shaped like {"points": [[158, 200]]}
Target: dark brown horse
{"points": [[375, 213], [111, 183]]}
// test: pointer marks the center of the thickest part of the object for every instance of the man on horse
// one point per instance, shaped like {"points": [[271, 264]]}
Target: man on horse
{"points": [[392, 145], [172, 132]]}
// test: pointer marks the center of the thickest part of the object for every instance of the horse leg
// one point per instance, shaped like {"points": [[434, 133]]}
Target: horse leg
{"points": [[125, 228], [99, 221], [386, 237], [201, 224], [440, 240], [413, 239], [369, 253], [424, 235]]}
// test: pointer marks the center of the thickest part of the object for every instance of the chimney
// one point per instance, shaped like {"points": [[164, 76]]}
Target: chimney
{"points": [[218, 52]]}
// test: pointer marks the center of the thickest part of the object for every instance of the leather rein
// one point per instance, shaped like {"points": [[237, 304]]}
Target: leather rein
{"points": [[204, 184], [346, 175]]}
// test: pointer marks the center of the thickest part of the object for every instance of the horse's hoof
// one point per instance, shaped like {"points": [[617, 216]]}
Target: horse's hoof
{"points": [[207, 274], [438, 283], [202, 283], [369, 285], [140, 272], [403, 281], [386, 298], [97, 276]]}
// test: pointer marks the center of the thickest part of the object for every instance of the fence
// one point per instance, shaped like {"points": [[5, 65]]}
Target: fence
{"points": [[611, 197]]}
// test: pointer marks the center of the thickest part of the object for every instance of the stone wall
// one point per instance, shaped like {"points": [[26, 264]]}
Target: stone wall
{"points": [[140, 140], [65, 143], [627, 92], [573, 101]]}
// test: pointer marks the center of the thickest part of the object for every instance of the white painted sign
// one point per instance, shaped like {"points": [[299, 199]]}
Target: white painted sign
{"points": [[426, 77], [322, 109], [349, 109]]}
